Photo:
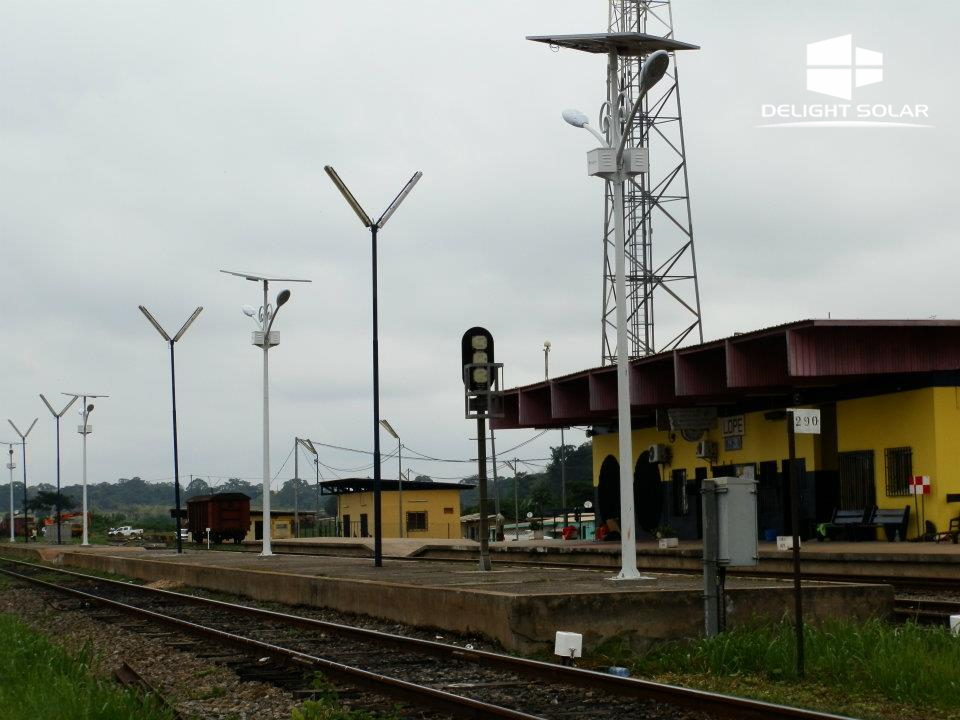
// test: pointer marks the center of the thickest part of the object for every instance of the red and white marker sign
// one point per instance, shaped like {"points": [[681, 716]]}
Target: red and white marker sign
{"points": [[919, 485]]}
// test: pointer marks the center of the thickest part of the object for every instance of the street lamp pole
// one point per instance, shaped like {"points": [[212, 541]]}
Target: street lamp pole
{"points": [[58, 415], [263, 338], [308, 445], [173, 395], [374, 227], [10, 466], [389, 428], [84, 430], [563, 447], [23, 453]]}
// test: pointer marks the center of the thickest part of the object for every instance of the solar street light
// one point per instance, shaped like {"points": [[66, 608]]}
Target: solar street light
{"points": [[173, 394], [374, 226], [265, 339], [84, 430]]}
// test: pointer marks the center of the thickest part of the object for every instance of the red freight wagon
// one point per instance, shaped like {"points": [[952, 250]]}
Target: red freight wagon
{"points": [[226, 514]]}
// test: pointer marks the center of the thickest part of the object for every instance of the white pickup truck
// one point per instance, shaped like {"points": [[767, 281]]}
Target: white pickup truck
{"points": [[126, 531]]}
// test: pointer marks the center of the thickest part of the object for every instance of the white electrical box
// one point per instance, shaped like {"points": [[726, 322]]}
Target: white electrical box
{"points": [[635, 161], [707, 450], [602, 162], [84, 429], [568, 644], [257, 338], [659, 453], [737, 521]]}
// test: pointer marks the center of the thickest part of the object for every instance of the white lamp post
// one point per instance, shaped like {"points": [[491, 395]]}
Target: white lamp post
{"points": [[374, 226], [615, 163], [10, 466], [85, 429], [265, 339], [23, 452], [389, 428]]}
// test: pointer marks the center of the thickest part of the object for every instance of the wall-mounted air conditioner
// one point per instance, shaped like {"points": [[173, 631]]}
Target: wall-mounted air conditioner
{"points": [[707, 450], [659, 453]]}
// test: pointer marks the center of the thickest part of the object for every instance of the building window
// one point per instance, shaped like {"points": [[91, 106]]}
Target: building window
{"points": [[899, 470], [416, 521], [857, 489], [448, 511]]}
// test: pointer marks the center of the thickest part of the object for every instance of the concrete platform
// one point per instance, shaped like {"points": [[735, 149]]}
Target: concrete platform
{"points": [[521, 607], [845, 560]]}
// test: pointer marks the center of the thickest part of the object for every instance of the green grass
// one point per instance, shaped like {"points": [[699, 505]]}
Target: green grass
{"points": [[327, 706], [908, 665], [42, 680]]}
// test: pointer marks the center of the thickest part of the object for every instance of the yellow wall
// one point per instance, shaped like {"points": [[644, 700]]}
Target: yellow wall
{"points": [[281, 526], [762, 440], [925, 420], [442, 506], [928, 422]]}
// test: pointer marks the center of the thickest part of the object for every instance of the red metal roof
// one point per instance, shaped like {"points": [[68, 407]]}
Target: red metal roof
{"points": [[825, 358]]}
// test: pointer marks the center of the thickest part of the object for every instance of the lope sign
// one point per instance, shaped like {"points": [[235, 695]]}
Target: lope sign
{"points": [[806, 420], [733, 425]]}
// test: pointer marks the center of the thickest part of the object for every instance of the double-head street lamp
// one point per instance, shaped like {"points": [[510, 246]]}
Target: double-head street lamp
{"points": [[85, 429], [10, 466], [265, 339], [307, 445], [58, 415], [173, 393], [23, 452], [374, 227], [389, 428], [615, 163]]}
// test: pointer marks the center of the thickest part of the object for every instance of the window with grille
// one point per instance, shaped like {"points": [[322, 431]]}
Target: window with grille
{"points": [[679, 504], [857, 490], [899, 470], [416, 520]]}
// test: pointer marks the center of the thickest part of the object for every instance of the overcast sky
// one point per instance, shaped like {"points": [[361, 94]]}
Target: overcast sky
{"points": [[146, 145]]}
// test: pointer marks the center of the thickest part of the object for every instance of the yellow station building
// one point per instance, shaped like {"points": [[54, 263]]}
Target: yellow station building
{"points": [[888, 393], [425, 509]]}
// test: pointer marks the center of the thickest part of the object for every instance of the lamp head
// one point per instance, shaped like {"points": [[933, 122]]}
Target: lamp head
{"points": [[546, 344], [654, 68], [282, 298], [249, 311], [575, 117], [90, 408]]}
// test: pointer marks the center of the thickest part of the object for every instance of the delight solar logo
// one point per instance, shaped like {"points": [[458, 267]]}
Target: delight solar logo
{"points": [[835, 67]]}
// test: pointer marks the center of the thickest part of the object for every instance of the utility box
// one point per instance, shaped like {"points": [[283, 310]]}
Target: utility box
{"points": [[737, 521], [636, 161]]}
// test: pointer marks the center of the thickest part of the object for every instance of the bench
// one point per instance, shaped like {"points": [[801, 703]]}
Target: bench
{"points": [[850, 524], [953, 533], [893, 522]]}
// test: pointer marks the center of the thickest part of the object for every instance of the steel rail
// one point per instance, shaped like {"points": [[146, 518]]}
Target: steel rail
{"points": [[713, 703], [373, 682]]}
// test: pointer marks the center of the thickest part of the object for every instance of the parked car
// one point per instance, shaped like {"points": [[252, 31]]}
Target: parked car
{"points": [[126, 531]]}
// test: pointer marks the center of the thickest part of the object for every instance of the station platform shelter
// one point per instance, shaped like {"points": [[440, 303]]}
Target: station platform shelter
{"points": [[888, 392]]}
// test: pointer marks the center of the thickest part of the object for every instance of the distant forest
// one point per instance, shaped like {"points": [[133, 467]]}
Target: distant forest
{"points": [[538, 492]]}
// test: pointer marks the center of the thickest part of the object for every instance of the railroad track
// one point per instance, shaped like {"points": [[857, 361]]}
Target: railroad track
{"points": [[933, 612], [462, 682]]}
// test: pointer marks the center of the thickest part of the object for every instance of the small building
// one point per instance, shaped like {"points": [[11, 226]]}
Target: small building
{"points": [[888, 394], [282, 524], [416, 509], [470, 527]]}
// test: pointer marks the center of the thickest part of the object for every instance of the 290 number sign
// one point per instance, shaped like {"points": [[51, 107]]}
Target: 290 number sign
{"points": [[806, 420]]}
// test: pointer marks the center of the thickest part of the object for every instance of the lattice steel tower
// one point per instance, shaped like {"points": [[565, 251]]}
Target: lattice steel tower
{"points": [[661, 275]]}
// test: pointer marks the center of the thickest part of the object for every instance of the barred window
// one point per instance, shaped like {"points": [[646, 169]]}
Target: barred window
{"points": [[899, 470], [679, 504], [856, 480], [417, 520]]}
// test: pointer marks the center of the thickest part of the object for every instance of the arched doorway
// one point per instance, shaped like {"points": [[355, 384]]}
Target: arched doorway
{"points": [[608, 490], [648, 493]]}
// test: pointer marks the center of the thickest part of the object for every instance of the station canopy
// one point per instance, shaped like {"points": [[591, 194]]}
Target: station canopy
{"points": [[346, 486]]}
